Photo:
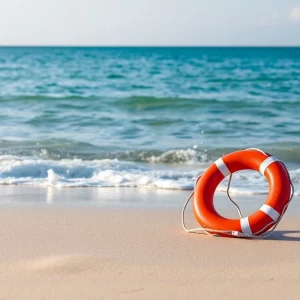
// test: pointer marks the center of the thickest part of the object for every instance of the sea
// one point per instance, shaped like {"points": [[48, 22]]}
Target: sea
{"points": [[145, 117]]}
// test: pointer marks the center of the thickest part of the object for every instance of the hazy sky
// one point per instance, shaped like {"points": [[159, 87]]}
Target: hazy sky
{"points": [[150, 22]]}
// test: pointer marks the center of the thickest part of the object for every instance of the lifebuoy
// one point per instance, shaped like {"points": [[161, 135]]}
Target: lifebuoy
{"points": [[263, 219]]}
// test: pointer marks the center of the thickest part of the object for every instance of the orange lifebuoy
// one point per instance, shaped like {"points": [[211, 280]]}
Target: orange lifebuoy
{"points": [[262, 220]]}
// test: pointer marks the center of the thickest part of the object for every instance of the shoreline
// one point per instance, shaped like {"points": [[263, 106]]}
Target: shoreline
{"points": [[125, 198]]}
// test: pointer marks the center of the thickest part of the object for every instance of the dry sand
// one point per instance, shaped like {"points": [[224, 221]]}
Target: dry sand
{"points": [[106, 253]]}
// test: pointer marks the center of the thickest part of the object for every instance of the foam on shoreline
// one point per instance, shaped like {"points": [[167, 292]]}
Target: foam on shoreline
{"points": [[117, 173]]}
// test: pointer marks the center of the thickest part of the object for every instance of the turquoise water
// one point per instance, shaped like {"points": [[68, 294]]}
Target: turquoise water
{"points": [[144, 117]]}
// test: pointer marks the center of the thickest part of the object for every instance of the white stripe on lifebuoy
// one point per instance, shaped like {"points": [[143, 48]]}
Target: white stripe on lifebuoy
{"points": [[222, 167], [266, 163], [245, 226], [270, 211]]}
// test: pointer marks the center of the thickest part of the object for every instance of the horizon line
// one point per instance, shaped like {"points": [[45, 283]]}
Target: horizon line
{"points": [[149, 46]]}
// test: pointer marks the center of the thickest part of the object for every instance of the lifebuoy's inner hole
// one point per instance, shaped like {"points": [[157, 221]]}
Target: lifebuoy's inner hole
{"points": [[248, 189]]}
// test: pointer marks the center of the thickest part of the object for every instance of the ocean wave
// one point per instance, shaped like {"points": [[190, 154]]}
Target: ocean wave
{"points": [[101, 173], [190, 156], [57, 149], [115, 173]]}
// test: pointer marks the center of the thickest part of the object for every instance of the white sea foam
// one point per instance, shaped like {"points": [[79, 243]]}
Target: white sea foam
{"points": [[52, 177], [189, 156], [115, 173]]}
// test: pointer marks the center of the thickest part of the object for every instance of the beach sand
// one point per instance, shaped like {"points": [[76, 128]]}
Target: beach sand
{"points": [[114, 252]]}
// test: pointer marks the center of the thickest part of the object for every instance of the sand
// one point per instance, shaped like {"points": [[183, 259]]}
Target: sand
{"points": [[85, 252]]}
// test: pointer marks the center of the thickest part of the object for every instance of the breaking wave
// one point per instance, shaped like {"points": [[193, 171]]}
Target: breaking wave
{"points": [[116, 173]]}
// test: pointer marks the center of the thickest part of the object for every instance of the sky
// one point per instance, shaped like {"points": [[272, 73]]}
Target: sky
{"points": [[150, 22]]}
